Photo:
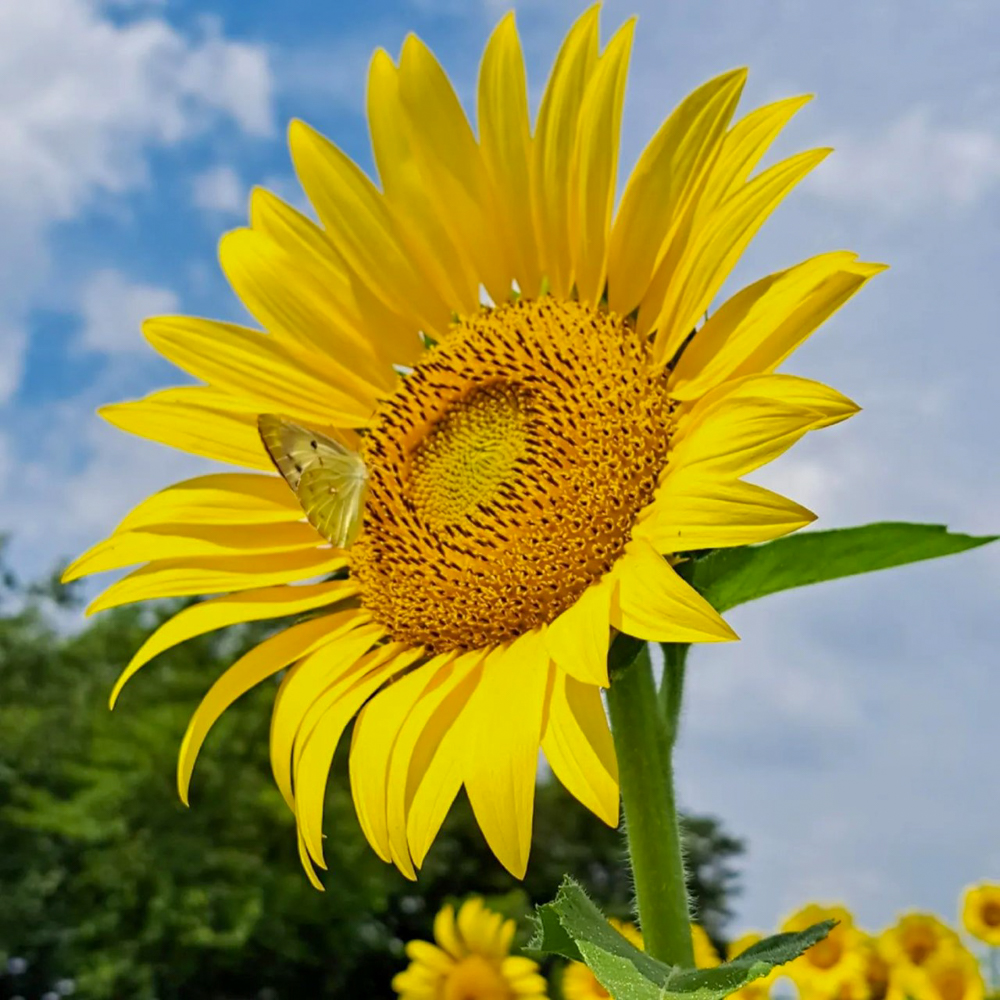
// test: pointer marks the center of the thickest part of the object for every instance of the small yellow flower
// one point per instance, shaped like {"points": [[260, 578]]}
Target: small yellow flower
{"points": [[579, 983], [981, 912], [916, 938], [835, 965], [951, 973], [471, 960]]}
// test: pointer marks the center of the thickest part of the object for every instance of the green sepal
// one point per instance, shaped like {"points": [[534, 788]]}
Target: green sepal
{"points": [[573, 927], [727, 577]]}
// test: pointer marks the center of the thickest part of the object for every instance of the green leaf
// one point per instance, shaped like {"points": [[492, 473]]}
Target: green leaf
{"points": [[728, 577], [572, 926]]}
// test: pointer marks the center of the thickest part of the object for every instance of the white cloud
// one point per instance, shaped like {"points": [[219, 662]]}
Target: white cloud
{"points": [[83, 99], [219, 189], [917, 163], [112, 309]]}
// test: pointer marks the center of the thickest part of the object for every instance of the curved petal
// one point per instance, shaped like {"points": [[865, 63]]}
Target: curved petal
{"points": [[300, 688], [505, 139], [595, 166], [263, 661], [220, 498], [254, 365], [361, 227], [395, 335], [578, 639], [420, 217], [742, 148], [652, 602], [578, 746], [503, 737], [375, 732], [555, 138], [756, 329], [692, 512], [746, 423], [215, 575], [233, 609], [195, 419], [664, 185], [180, 541], [432, 719], [298, 310], [452, 164], [688, 288], [333, 710]]}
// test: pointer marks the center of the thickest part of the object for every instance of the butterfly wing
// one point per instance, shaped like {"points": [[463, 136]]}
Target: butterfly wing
{"points": [[329, 479]]}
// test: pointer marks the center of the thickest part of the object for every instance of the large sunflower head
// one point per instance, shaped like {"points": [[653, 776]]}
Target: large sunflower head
{"points": [[501, 411]]}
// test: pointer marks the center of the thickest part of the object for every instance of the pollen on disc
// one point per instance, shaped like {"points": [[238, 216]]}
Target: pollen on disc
{"points": [[506, 472]]}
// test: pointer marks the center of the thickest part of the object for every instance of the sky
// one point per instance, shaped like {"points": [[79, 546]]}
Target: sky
{"points": [[847, 737]]}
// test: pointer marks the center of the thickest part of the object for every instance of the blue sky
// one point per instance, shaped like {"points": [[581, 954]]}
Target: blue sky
{"points": [[848, 735]]}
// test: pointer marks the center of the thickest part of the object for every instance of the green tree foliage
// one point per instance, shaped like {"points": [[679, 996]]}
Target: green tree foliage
{"points": [[106, 879]]}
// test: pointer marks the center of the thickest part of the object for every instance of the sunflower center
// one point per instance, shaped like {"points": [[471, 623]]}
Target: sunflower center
{"points": [[506, 472], [991, 914], [470, 453]]}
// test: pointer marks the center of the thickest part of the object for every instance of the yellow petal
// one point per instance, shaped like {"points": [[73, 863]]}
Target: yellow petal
{"points": [[263, 661], [297, 310], [254, 365], [308, 865], [761, 325], [232, 609], [195, 419], [180, 541], [300, 688], [452, 164], [505, 138], [445, 933], [578, 639], [375, 733], [505, 731], [555, 139], [421, 225], [222, 498], [595, 164], [663, 186], [417, 741], [215, 575], [578, 746], [333, 710], [653, 603], [717, 246], [361, 226], [744, 145], [746, 423], [394, 334], [693, 512]]}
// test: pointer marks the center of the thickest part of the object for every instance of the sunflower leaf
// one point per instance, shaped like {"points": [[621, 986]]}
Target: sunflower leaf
{"points": [[573, 927], [727, 577]]}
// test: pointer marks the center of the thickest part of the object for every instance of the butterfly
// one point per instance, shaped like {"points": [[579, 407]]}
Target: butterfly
{"points": [[330, 481]]}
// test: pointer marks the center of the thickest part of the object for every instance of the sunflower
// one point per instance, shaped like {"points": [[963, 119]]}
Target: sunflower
{"points": [[915, 939], [835, 966], [579, 983], [471, 960], [951, 973], [533, 467], [981, 912]]}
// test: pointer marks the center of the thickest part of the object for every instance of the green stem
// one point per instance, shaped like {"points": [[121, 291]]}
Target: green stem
{"points": [[645, 771], [672, 685]]}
